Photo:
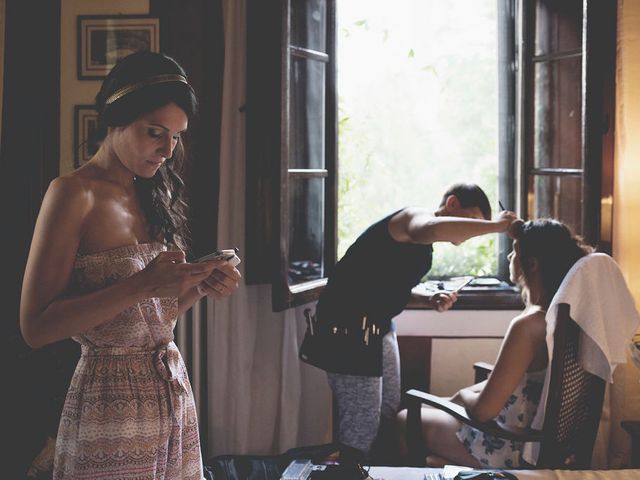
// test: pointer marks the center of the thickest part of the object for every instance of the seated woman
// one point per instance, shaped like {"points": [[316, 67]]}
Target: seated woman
{"points": [[543, 252]]}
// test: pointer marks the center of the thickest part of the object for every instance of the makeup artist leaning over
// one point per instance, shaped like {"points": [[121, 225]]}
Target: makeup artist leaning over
{"points": [[354, 337], [107, 268]]}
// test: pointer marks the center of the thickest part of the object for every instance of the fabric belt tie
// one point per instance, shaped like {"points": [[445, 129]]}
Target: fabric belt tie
{"points": [[164, 358], [168, 369]]}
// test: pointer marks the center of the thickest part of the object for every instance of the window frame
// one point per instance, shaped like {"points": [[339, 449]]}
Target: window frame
{"points": [[597, 52], [268, 173], [285, 294], [507, 123], [268, 188]]}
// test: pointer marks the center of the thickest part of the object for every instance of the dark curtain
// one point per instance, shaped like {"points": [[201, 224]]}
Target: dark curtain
{"points": [[29, 154], [192, 33]]}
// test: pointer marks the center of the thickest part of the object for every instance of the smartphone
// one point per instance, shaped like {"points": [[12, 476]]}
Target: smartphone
{"points": [[228, 254]]}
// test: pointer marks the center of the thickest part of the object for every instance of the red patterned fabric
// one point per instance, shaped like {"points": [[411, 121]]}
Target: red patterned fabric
{"points": [[129, 411]]}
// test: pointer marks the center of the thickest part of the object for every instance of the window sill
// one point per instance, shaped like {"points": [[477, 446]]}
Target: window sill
{"points": [[286, 296], [475, 298]]}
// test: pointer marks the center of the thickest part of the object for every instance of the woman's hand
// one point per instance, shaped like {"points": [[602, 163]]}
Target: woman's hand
{"points": [[222, 282], [168, 275], [443, 301]]}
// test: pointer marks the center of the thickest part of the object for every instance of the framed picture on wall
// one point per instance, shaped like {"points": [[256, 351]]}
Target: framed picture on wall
{"points": [[85, 119], [104, 39]]}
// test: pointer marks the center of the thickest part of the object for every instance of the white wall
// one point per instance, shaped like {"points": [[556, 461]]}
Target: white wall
{"points": [[460, 338], [455, 323]]}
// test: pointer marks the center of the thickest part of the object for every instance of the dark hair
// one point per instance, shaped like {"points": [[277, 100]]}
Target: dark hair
{"points": [[469, 195], [554, 246], [162, 196]]}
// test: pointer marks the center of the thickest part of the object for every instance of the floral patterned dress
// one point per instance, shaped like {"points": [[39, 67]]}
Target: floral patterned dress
{"points": [[495, 452], [129, 412]]}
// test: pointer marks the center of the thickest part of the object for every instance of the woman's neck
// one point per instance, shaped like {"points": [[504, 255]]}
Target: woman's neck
{"points": [[537, 296], [535, 308], [107, 159]]}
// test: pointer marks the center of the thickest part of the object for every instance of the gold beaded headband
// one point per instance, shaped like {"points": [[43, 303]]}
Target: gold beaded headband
{"points": [[156, 79]]}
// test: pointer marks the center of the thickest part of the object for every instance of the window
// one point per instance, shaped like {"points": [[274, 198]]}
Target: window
{"points": [[554, 140], [419, 109], [566, 122], [291, 128]]}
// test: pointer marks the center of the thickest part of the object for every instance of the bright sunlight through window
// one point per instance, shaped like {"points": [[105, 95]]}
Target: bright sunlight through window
{"points": [[418, 111]]}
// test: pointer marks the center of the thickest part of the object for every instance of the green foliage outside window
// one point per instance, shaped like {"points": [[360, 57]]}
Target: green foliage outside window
{"points": [[418, 111]]}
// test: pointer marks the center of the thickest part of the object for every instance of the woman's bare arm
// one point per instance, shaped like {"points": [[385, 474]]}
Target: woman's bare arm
{"points": [[47, 312], [523, 341], [188, 300]]}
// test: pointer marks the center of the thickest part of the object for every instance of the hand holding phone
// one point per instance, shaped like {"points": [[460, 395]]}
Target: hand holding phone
{"points": [[228, 254]]}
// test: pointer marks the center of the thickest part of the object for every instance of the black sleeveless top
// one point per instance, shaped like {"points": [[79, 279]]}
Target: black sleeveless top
{"points": [[369, 286]]}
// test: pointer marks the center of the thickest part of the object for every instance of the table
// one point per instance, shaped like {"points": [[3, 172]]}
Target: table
{"points": [[411, 473]]}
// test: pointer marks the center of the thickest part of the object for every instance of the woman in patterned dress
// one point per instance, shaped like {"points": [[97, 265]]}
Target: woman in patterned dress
{"points": [[107, 268], [543, 252]]}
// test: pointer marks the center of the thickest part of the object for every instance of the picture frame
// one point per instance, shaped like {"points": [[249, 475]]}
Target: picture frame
{"points": [[104, 39], [85, 118]]}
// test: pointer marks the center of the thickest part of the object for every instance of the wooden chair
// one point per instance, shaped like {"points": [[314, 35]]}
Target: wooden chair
{"points": [[573, 408]]}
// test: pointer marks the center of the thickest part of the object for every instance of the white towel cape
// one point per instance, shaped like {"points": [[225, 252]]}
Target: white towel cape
{"points": [[602, 306]]}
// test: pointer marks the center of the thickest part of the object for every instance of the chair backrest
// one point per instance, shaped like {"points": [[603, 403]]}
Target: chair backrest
{"points": [[574, 403]]}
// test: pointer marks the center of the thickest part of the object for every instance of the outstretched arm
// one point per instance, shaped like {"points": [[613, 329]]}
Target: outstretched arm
{"points": [[419, 225]]}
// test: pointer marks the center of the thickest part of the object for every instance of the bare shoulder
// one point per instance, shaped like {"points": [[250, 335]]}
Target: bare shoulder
{"points": [[70, 197], [69, 186], [412, 212], [401, 223], [85, 182], [530, 323], [59, 228]]}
